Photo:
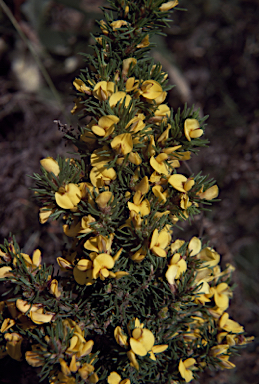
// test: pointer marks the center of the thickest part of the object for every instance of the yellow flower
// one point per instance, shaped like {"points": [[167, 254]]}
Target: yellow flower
{"points": [[38, 317], [34, 359], [180, 182], [101, 156], [131, 84], [105, 125], [133, 361], [120, 337], [176, 245], [221, 295], [160, 165], [192, 129], [210, 193], [101, 265], [54, 288], [229, 325], [99, 244], [194, 246], [103, 90], [119, 97], [210, 257], [161, 113], [33, 263], [160, 193], [83, 272], [102, 176], [169, 5], [144, 43], [85, 371], [45, 213], [139, 205], [69, 196], [151, 90], [115, 378], [103, 199], [7, 323], [176, 268], [185, 368], [81, 87], [160, 241], [5, 272], [142, 342], [13, 345], [126, 64], [122, 144], [118, 24], [50, 165]]}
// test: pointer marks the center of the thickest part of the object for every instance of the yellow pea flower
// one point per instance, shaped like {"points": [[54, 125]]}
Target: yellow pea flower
{"points": [[185, 368], [144, 43], [5, 272], [122, 144], [161, 114], [103, 199], [86, 222], [69, 196], [31, 263], [176, 245], [160, 193], [54, 288], [210, 257], [81, 87], [45, 213], [99, 244], [38, 317], [194, 246], [176, 268], [50, 165], [7, 323], [222, 294], [160, 241], [120, 337], [140, 206], [160, 165], [142, 341], [210, 193], [101, 156], [101, 264], [105, 125], [131, 61], [151, 89], [230, 325], [192, 129], [103, 90], [133, 361], [180, 182], [169, 5], [102, 176], [137, 123], [115, 378], [86, 370], [13, 345], [34, 359], [119, 97], [131, 84], [118, 24]]}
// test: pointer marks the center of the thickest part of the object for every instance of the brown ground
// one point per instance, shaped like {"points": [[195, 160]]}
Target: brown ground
{"points": [[212, 53]]}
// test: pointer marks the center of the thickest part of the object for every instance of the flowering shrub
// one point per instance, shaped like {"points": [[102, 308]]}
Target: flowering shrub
{"points": [[130, 303]]}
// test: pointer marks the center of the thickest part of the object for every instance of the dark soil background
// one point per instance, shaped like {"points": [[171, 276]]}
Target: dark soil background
{"points": [[212, 54]]}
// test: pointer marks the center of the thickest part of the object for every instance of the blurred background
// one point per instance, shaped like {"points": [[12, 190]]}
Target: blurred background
{"points": [[211, 53]]}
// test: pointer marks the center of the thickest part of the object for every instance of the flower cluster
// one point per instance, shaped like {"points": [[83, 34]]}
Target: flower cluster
{"points": [[131, 303]]}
